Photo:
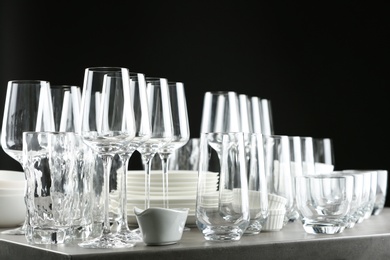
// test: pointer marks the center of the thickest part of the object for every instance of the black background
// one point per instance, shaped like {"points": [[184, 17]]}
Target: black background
{"points": [[325, 67]]}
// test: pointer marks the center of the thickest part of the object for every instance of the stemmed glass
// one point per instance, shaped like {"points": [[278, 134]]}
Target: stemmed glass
{"points": [[161, 123], [181, 131], [27, 108], [143, 133], [108, 127]]}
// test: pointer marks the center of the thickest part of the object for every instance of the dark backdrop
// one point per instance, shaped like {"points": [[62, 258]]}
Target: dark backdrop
{"points": [[324, 67]]}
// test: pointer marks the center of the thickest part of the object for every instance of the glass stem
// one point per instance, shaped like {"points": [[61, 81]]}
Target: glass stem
{"points": [[122, 225], [147, 184], [107, 162], [164, 163]]}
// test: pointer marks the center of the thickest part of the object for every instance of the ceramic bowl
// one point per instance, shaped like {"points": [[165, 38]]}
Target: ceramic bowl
{"points": [[12, 179], [12, 210], [161, 226]]}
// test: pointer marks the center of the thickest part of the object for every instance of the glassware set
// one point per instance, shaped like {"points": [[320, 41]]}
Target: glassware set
{"points": [[74, 145]]}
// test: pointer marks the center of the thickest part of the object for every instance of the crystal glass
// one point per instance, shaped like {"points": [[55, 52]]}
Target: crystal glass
{"points": [[107, 127], [181, 131], [143, 133], [161, 122], [27, 108]]}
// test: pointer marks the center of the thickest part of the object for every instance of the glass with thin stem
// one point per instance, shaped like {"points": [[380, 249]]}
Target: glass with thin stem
{"points": [[161, 123], [108, 127], [181, 131], [143, 133], [27, 108]]}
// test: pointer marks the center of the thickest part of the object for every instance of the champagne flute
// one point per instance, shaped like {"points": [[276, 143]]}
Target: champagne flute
{"points": [[108, 127], [161, 123], [181, 131], [143, 133], [27, 108]]}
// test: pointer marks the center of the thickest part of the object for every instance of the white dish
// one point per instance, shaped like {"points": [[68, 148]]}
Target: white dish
{"points": [[190, 222], [12, 179], [6, 192], [13, 210]]}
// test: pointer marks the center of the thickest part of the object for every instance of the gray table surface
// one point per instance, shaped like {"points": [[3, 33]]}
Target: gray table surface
{"points": [[367, 240]]}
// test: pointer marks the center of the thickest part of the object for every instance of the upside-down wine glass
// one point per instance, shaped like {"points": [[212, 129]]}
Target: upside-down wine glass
{"points": [[161, 123], [181, 131], [27, 108], [108, 127]]}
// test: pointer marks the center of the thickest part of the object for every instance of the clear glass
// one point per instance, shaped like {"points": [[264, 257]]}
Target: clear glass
{"points": [[381, 191], [27, 108], [181, 131], [161, 122], [257, 185], [323, 151], [49, 161], [222, 210], [221, 112], [324, 202], [279, 179], [143, 133], [107, 127]]}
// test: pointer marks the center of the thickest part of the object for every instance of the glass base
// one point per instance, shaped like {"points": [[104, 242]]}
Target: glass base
{"points": [[133, 235], [222, 233], [324, 228], [107, 241]]}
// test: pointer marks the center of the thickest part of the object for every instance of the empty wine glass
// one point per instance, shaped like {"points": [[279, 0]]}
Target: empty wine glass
{"points": [[108, 127], [161, 123], [143, 133], [220, 112], [27, 108], [181, 131]]}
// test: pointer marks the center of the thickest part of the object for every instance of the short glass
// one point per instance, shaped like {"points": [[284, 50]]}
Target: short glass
{"points": [[324, 202]]}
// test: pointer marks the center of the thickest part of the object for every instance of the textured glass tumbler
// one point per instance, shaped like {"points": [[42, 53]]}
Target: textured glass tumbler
{"points": [[223, 214], [324, 202], [48, 159]]}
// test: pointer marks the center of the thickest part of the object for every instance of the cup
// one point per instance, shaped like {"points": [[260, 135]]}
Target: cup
{"points": [[223, 214], [381, 191], [278, 172], [324, 202], [257, 184], [323, 151], [161, 226], [48, 160]]}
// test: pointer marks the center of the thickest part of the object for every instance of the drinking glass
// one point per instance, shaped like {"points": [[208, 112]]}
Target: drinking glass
{"points": [[27, 108], [66, 111], [324, 201], [278, 174], [222, 214], [257, 185], [381, 191], [143, 132], [107, 127], [49, 161], [221, 112], [323, 154], [180, 134], [161, 123]]}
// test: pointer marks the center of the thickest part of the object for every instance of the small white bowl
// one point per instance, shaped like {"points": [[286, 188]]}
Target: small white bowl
{"points": [[161, 226], [12, 179], [13, 210]]}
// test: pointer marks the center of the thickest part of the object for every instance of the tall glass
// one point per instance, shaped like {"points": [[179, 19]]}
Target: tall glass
{"points": [[108, 127], [27, 108]]}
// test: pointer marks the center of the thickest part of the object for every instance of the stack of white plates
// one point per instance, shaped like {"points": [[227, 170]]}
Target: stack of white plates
{"points": [[12, 206], [182, 186]]}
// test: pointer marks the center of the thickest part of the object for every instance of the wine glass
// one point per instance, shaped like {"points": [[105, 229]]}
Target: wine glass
{"points": [[181, 131], [161, 123], [27, 108], [143, 133], [108, 127]]}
